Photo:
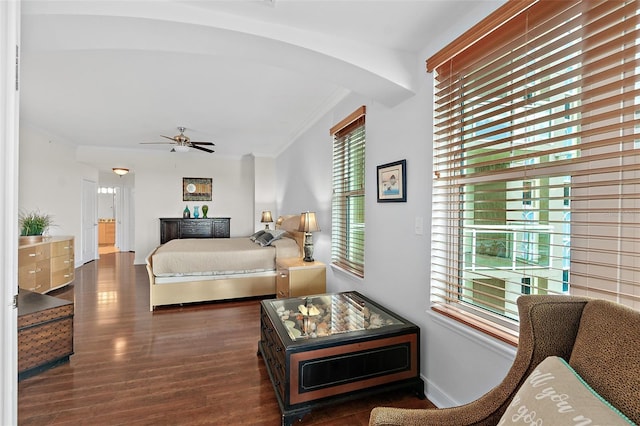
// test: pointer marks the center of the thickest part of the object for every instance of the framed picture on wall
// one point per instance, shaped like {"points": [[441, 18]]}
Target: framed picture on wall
{"points": [[196, 189], [392, 182]]}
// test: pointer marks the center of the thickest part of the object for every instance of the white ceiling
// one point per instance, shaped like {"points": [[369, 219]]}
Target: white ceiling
{"points": [[249, 75]]}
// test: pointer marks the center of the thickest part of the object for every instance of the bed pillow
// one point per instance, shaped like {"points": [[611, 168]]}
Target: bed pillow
{"points": [[269, 236], [277, 233], [256, 235], [554, 394], [264, 239]]}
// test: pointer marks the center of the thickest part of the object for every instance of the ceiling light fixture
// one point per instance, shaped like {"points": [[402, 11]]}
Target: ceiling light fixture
{"points": [[120, 171], [181, 148]]}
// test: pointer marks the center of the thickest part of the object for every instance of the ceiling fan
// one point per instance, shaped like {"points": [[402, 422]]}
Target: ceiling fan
{"points": [[182, 143]]}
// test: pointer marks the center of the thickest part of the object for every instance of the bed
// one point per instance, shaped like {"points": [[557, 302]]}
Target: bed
{"points": [[198, 270]]}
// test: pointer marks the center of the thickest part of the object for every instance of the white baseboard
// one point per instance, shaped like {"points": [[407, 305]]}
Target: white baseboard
{"points": [[439, 398]]}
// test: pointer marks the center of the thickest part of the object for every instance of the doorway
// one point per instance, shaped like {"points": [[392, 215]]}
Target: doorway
{"points": [[115, 214], [109, 198]]}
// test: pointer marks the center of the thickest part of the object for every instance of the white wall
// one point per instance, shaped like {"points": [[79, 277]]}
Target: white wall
{"points": [[457, 363], [265, 189], [50, 180]]}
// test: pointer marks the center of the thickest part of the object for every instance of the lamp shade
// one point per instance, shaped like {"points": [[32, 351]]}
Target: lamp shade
{"points": [[120, 171], [308, 222], [266, 217]]}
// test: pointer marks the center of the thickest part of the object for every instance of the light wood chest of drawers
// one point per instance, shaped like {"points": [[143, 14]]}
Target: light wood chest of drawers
{"points": [[46, 265]]}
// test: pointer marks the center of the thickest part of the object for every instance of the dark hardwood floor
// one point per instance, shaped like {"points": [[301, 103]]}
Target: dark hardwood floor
{"points": [[191, 365]]}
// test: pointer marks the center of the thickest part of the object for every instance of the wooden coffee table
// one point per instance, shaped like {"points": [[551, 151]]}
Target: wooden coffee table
{"points": [[327, 348]]}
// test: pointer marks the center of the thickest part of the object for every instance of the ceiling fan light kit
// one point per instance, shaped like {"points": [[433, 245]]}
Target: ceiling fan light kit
{"points": [[182, 143]]}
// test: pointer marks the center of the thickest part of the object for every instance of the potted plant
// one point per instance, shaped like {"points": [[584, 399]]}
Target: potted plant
{"points": [[33, 224]]}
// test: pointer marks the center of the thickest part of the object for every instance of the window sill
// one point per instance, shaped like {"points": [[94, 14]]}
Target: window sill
{"points": [[478, 323], [347, 274]]}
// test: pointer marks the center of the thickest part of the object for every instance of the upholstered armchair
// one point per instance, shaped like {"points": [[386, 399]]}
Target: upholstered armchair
{"points": [[600, 340]]}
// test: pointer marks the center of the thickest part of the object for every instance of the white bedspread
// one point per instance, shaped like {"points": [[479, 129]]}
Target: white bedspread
{"points": [[194, 256]]}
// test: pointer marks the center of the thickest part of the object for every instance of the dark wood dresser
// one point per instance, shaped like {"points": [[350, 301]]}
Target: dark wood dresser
{"points": [[45, 332], [176, 228]]}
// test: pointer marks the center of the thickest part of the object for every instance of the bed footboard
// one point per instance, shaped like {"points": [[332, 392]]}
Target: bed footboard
{"points": [[210, 290]]}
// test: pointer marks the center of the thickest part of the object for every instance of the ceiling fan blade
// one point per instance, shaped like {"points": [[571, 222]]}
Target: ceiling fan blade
{"points": [[203, 143], [172, 138], [156, 143], [201, 148]]}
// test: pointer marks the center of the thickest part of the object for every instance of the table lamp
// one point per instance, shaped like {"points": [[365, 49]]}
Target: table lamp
{"points": [[308, 225], [266, 218]]}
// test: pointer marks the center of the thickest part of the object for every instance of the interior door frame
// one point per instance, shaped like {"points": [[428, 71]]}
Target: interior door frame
{"points": [[9, 170]]}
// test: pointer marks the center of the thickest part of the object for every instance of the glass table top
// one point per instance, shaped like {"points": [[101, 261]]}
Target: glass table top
{"points": [[329, 314]]}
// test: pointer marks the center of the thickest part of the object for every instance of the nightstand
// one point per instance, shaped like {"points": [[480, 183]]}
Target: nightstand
{"points": [[299, 278]]}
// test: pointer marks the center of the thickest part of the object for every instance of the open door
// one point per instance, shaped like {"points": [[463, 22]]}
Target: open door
{"points": [[89, 237]]}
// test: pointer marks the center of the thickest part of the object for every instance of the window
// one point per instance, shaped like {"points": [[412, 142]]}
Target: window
{"points": [[347, 235], [537, 158]]}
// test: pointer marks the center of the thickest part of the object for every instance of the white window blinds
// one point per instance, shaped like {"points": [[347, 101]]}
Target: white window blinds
{"points": [[348, 230], [537, 157]]}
